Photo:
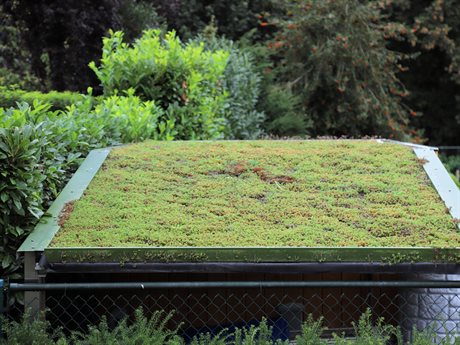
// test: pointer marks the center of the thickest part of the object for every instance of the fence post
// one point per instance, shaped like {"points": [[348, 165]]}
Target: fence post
{"points": [[2, 304], [33, 300], [2, 295]]}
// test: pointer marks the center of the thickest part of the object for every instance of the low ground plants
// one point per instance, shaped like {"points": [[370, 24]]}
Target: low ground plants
{"points": [[154, 330], [228, 193]]}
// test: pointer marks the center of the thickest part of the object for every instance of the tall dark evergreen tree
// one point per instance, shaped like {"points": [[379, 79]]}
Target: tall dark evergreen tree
{"points": [[335, 57]]}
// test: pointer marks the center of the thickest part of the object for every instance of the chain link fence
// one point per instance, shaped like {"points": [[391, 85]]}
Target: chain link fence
{"points": [[211, 308]]}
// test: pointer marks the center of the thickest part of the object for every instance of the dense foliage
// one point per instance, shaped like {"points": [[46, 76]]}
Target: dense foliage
{"points": [[62, 37], [40, 149], [234, 18], [15, 63], [184, 80], [293, 68], [58, 100], [153, 330], [39, 42], [335, 59], [432, 30], [241, 81]]}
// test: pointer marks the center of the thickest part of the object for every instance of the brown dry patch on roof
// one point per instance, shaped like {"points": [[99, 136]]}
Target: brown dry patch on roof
{"points": [[240, 168], [65, 213]]}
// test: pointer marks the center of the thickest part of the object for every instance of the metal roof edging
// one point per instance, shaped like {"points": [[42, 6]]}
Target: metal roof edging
{"points": [[408, 144], [44, 231], [441, 180], [248, 267], [438, 175]]}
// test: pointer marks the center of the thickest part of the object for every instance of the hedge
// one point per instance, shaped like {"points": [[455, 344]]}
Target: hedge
{"points": [[58, 100]]}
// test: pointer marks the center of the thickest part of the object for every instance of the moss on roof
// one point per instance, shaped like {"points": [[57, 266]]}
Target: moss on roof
{"points": [[259, 193]]}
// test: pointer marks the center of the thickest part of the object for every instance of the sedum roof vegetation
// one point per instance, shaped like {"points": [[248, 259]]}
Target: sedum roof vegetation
{"points": [[332, 193]]}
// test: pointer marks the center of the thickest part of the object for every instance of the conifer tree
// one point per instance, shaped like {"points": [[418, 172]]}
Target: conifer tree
{"points": [[335, 56]]}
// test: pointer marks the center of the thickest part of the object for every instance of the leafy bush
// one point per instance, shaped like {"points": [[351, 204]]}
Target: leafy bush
{"points": [[134, 119], [58, 100], [184, 80], [20, 185], [40, 149], [242, 84]]}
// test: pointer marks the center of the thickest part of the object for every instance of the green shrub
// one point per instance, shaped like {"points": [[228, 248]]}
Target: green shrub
{"points": [[134, 119], [40, 149], [20, 185], [184, 80], [58, 100], [311, 332], [29, 332], [281, 107], [242, 84], [256, 335], [145, 331], [35, 153]]}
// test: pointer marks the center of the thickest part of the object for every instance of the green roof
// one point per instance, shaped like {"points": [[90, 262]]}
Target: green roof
{"points": [[326, 193]]}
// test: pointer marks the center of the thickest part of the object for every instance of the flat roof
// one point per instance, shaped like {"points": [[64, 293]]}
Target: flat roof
{"points": [[257, 200]]}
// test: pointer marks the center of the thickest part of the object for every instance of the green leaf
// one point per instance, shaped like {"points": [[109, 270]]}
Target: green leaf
{"points": [[7, 261], [4, 197]]}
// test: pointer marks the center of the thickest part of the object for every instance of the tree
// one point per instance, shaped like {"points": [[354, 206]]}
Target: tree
{"points": [[233, 18], [64, 36], [335, 57], [432, 30]]}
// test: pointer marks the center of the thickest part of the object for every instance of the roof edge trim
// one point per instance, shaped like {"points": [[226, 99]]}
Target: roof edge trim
{"points": [[441, 180], [44, 231]]}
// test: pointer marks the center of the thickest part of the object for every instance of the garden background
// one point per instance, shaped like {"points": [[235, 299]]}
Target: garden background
{"points": [[78, 75]]}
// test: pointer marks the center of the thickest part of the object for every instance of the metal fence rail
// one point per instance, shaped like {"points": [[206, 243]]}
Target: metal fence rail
{"points": [[232, 284], [212, 306]]}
